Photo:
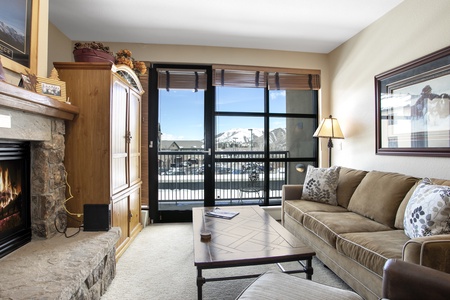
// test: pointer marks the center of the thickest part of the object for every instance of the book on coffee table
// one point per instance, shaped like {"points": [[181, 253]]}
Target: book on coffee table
{"points": [[218, 213]]}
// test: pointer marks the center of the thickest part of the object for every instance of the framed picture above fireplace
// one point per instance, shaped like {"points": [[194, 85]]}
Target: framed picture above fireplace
{"points": [[413, 107], [19, 43]]}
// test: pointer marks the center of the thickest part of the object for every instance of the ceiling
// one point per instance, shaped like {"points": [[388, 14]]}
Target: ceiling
{"points": [[317, 26]]}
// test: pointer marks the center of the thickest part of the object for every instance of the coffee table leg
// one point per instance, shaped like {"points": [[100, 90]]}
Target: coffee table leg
{"points": [[309, 269], [200, 282]]}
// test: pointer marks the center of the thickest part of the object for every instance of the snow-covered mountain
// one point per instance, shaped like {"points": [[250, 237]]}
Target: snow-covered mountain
{"points": [[10, 36], [240, 137]]}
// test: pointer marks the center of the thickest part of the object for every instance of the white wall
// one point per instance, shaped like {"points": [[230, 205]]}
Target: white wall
{"points": [[411, 30]]}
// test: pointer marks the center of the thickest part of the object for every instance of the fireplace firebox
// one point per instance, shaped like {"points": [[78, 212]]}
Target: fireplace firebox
{"points": [[15, 217]]}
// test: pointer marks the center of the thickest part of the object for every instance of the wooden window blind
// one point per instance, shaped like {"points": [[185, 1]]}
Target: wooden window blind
{"points": [[239, 78], [183, 79], [288, 81], [272, 78]]}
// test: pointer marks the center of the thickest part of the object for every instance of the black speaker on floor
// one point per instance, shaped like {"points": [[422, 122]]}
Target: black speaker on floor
{"points": [[97, 217]]}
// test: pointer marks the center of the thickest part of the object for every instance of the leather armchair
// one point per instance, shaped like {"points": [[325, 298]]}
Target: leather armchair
{"points": [[405, 281]]}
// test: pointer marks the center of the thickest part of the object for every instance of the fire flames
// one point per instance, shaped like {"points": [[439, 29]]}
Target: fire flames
{"points": [[8, 192]]}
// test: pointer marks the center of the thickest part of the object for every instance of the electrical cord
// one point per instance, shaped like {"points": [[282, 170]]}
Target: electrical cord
{"points": [[60, 226], [64, 225], [70, 197]]}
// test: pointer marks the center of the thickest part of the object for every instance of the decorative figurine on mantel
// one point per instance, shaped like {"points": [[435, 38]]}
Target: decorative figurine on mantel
{"points": [[54, 74]]}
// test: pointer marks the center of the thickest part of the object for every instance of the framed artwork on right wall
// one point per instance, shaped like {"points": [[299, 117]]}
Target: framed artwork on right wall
{"points": [[412, 105]]}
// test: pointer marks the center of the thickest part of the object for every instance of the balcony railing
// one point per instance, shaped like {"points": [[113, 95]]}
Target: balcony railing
{"points": [[239, 176]]}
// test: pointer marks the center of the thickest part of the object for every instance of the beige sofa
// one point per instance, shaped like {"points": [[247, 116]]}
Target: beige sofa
{"points": [[356, 237]]}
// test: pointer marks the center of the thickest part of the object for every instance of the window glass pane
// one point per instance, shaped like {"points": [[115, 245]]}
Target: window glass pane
{"points": [[181, 118], [292, 137], [239, 134], [239, 182], [295, 102], [232, 99]]}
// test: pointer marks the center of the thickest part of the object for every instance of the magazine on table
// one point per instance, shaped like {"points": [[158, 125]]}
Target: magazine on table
{"points": [[219, 213]]}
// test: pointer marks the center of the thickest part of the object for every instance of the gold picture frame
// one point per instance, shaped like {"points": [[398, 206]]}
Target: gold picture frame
{"points": [[15, 66], [55, 89]]}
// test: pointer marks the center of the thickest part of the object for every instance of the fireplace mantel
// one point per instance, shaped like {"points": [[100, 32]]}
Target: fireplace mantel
{"points": [[17, 98]]}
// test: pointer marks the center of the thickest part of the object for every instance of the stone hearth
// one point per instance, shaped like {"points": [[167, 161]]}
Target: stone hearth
{"points": [[81, 267], [51, 266]]}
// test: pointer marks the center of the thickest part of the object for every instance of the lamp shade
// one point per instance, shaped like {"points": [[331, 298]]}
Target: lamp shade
{"points": [[329, 128]]}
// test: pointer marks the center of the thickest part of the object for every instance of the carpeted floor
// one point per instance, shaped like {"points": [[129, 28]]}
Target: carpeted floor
{"points": [[159, 264]]}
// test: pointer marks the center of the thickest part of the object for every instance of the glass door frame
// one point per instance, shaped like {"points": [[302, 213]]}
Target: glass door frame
{"points": [[180, 215]]}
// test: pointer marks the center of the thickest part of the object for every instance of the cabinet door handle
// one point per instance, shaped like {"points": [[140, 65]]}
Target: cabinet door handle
{"points": [[128, 137]]}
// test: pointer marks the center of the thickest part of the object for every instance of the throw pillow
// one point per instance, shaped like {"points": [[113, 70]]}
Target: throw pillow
{"points": [[321, 184], [428, 210]]}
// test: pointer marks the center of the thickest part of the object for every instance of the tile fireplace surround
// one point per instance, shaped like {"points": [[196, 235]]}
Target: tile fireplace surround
{"points": [[50, 266]]}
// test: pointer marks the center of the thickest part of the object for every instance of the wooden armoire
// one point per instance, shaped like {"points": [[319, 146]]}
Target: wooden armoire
{"points": [[103, 144]]}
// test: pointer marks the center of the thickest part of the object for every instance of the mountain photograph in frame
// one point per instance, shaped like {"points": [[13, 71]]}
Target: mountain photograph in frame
{"points": [[15, 31]]}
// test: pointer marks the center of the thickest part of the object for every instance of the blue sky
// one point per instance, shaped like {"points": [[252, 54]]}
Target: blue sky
{"points": [[181, 111], [13, 14]]}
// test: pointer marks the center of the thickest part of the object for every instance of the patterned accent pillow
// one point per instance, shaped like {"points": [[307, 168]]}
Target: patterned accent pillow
{"points": [[321, 184], [428, 210]]}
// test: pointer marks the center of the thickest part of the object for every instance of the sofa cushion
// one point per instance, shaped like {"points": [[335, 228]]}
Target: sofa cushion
{"points": [[400, 216], [379, 194], [328, 225], [428, 210], [372, 249], [320, 184], [297, 208], [349, 179]]}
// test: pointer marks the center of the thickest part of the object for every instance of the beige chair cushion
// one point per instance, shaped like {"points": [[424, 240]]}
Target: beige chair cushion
{"points": [[379, 195], [276, 285]]}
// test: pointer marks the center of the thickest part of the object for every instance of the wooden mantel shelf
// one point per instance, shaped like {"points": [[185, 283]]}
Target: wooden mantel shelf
{"points": [[20, 99]]}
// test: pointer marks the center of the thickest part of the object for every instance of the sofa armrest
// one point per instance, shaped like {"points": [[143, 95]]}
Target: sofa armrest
{"points": [[290, 192], [402, 280], [430, 251]]}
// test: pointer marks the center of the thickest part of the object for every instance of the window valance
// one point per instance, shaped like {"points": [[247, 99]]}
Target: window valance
{"points": [[272, 78], [185, 79]]}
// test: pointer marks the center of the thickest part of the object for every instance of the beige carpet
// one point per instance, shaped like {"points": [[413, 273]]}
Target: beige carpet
{"points": [[159, 264]]}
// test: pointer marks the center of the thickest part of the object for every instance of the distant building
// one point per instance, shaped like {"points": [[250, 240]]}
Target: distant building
{"points": [[183, 145]]}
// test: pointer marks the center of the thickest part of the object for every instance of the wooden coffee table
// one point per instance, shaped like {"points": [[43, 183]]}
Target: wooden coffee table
{"points": [[252, 237]]}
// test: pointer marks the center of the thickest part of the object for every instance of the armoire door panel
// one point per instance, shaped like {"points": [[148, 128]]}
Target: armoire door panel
{"points": [[135, 141], [119, 151], [135, 209]]}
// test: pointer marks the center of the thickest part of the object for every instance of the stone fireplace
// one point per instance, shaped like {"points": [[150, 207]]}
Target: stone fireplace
{"points": [[24, 120], [79, 267]]}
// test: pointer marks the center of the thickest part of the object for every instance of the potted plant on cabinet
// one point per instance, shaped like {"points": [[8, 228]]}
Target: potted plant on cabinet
{"points": [[92, 52]]}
